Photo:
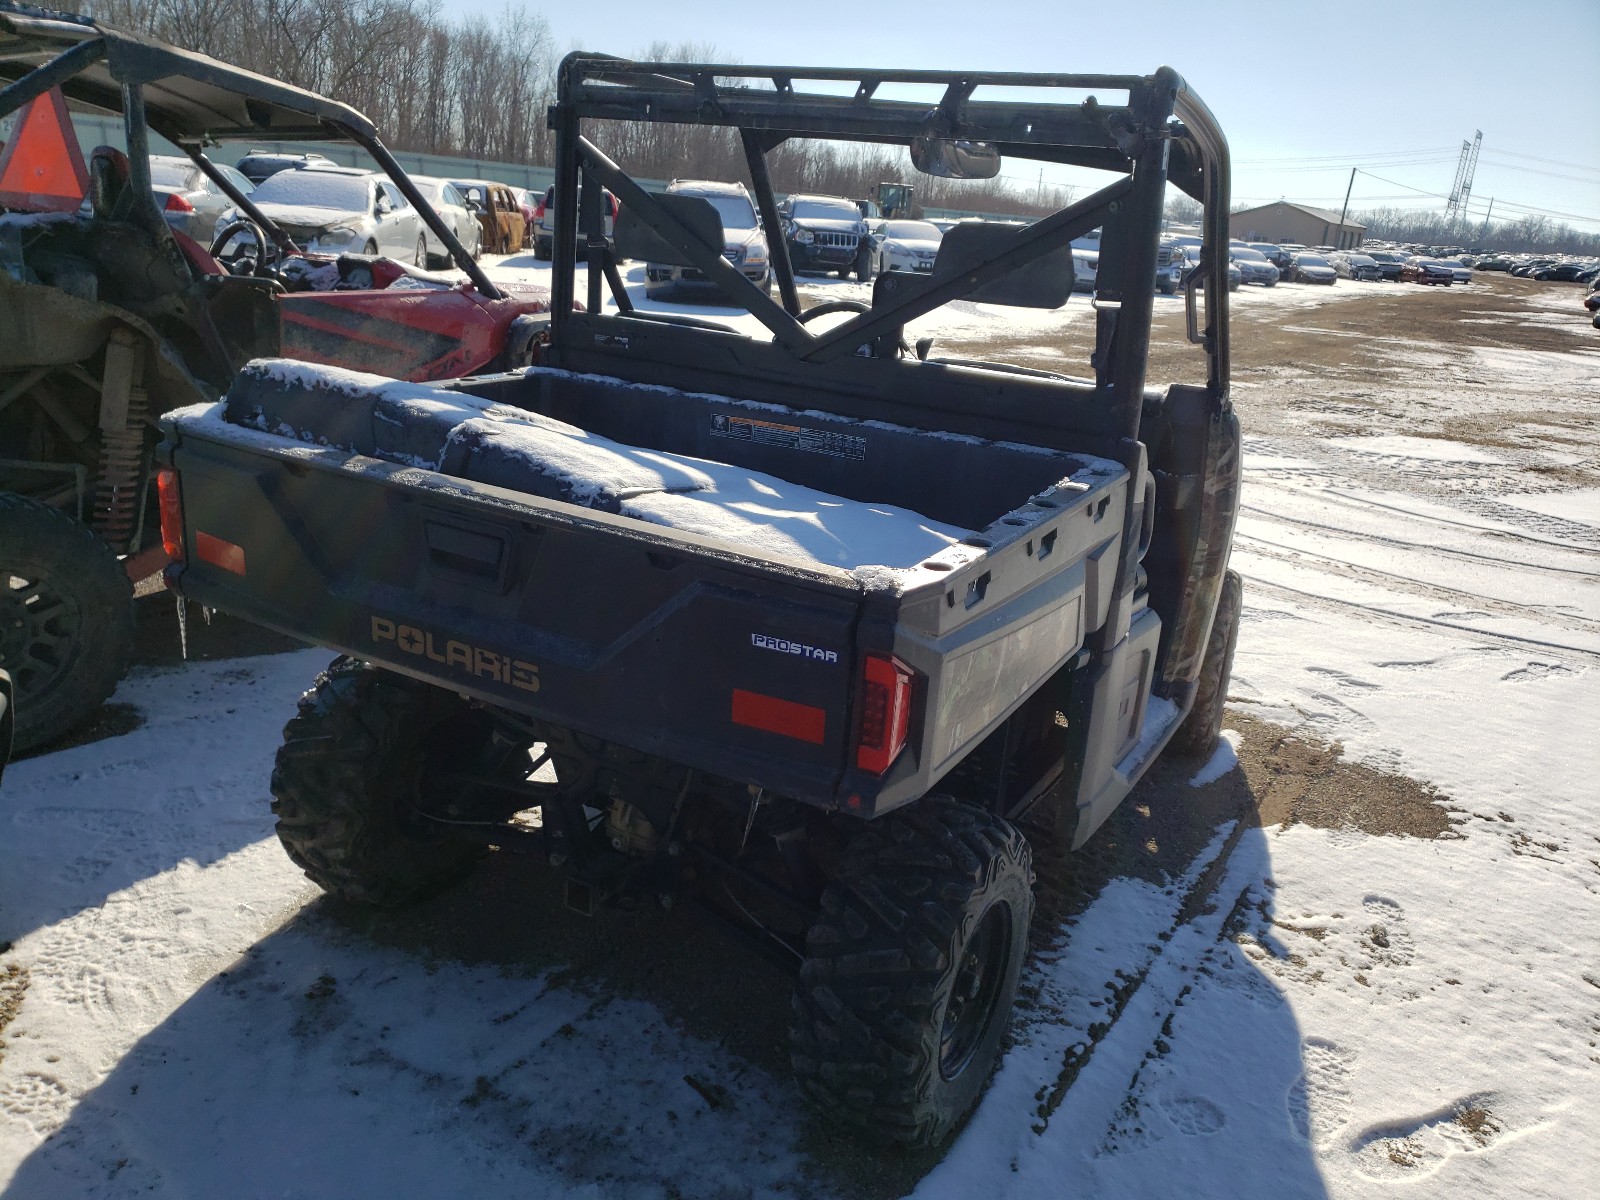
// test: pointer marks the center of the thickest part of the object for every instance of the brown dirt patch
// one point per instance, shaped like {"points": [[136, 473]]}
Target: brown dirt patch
{"points": [[13, 984], [1296, 779]]}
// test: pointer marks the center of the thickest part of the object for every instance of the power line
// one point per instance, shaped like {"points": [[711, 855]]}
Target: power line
{"points": [[1500, 166], [1554, 162], [1350, 158]]}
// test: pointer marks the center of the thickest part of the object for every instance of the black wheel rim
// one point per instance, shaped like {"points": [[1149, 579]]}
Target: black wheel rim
{"points": [[975, 995], [39, 628]]}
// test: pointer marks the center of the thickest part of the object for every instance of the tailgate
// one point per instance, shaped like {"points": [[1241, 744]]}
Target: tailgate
{"points": [[654, 639]]}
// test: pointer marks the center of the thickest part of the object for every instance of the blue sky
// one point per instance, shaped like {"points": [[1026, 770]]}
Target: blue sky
{"points": [[1304, 91]]}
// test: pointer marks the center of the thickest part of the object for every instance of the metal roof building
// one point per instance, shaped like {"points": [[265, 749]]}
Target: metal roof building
{"points": [[1283, 221]]}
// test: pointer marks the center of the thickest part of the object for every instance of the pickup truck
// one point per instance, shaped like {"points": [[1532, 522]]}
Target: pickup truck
{"points": [[796, 626]]}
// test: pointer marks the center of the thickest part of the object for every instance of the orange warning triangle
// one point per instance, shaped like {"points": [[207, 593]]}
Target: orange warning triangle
{"points": [[41, 167]]}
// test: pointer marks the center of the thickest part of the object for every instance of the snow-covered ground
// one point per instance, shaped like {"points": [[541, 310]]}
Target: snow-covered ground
{"points": [[1303, 1012]]}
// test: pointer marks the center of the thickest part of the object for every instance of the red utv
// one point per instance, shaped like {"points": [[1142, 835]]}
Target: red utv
{"points": [[109, 318]]}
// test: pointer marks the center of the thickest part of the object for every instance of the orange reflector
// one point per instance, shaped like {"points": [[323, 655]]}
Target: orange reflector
{"points": [[219, 553], [801, 721], [171, 513], [41, 167]]}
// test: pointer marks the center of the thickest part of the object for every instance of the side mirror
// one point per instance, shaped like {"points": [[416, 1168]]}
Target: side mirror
{"points": [[955, 158], [382, 206]]}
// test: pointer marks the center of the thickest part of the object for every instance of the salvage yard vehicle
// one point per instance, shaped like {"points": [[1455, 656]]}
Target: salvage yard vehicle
{"points": [[905, 245], [342, 210], [542, 234], [798, 626], [1254, 266], [190, 202], [109, 317], [504, 229], [1426, 271], [1309, 267], [823, 234], [744, 244], [450, 204]]}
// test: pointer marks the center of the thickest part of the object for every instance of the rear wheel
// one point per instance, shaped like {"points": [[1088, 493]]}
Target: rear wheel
{"points": [[541, 248], [66, 618], [420, 258], [911, 970], [1198, 733], [362, 754]]}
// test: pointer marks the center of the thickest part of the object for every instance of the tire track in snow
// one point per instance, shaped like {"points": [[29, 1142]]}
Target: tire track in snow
{"points": [[1360, 501], [1359, 535], [1319, 600], [1427, 590]]}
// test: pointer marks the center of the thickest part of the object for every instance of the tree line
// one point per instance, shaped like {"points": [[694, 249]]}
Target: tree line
{"points": [[478, 88], [1533, 233]]}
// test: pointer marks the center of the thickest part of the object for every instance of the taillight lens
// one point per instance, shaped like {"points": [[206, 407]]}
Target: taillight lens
{"points": [[171, 513], [177, 204], [538, 212], [884, 721]]}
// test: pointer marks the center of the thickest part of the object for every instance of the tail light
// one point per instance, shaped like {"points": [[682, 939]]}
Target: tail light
{"points": [[538, 211], [171, 513], [884, 721], [177, 204]]}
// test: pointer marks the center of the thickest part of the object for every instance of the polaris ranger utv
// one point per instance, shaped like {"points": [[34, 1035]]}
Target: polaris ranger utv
{"points": [[796, 626]]}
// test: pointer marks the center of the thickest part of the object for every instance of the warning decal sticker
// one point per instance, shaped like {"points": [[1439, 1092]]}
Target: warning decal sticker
{"points": [[792, 437]]}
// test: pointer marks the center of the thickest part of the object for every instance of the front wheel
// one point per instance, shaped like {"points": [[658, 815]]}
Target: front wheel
{"points": [[370, 249], [420, 258], [364, 752], [66, 619], [1200, 729], [911, 969]]}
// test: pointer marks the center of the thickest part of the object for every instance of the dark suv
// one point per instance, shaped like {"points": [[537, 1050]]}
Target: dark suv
{"points": [[263, 164], [824, 233]]}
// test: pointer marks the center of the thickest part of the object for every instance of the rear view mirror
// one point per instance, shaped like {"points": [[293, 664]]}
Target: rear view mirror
{"points": [[955, 158], [1045, 282], [642, 243]]}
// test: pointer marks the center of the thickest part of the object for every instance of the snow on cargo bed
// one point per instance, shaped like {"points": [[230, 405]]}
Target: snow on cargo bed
{"points": [[450, 430]]}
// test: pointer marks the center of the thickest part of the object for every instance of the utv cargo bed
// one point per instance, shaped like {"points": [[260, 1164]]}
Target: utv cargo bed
{"points": [[683, 573]]}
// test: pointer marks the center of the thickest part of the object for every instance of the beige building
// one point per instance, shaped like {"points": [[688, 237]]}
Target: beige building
{"points": [[1286, 222]]}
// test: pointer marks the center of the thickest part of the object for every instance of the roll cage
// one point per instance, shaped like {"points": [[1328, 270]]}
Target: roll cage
{"points": [[1163, 132], [192, 101]]}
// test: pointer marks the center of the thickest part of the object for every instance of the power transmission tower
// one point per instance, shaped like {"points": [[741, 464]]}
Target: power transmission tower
{"points": [[1456, 210]]}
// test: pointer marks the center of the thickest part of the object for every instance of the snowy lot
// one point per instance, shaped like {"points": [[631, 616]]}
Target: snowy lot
{"points": [[1305, 973]]}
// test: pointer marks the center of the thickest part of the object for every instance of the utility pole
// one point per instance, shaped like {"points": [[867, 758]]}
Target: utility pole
{"points": [[1484, 232], [1350, 187]]}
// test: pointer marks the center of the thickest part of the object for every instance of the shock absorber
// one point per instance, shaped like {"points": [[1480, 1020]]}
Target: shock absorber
{"points": [[124, 407]]}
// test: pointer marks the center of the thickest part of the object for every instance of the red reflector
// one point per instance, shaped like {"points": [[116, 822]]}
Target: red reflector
{"points": [[885, 714], [176, 203], [801, 721], [219, 553], [171, 513]]}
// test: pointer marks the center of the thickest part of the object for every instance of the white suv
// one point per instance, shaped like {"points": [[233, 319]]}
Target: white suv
{"points": [[744, 243]]}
